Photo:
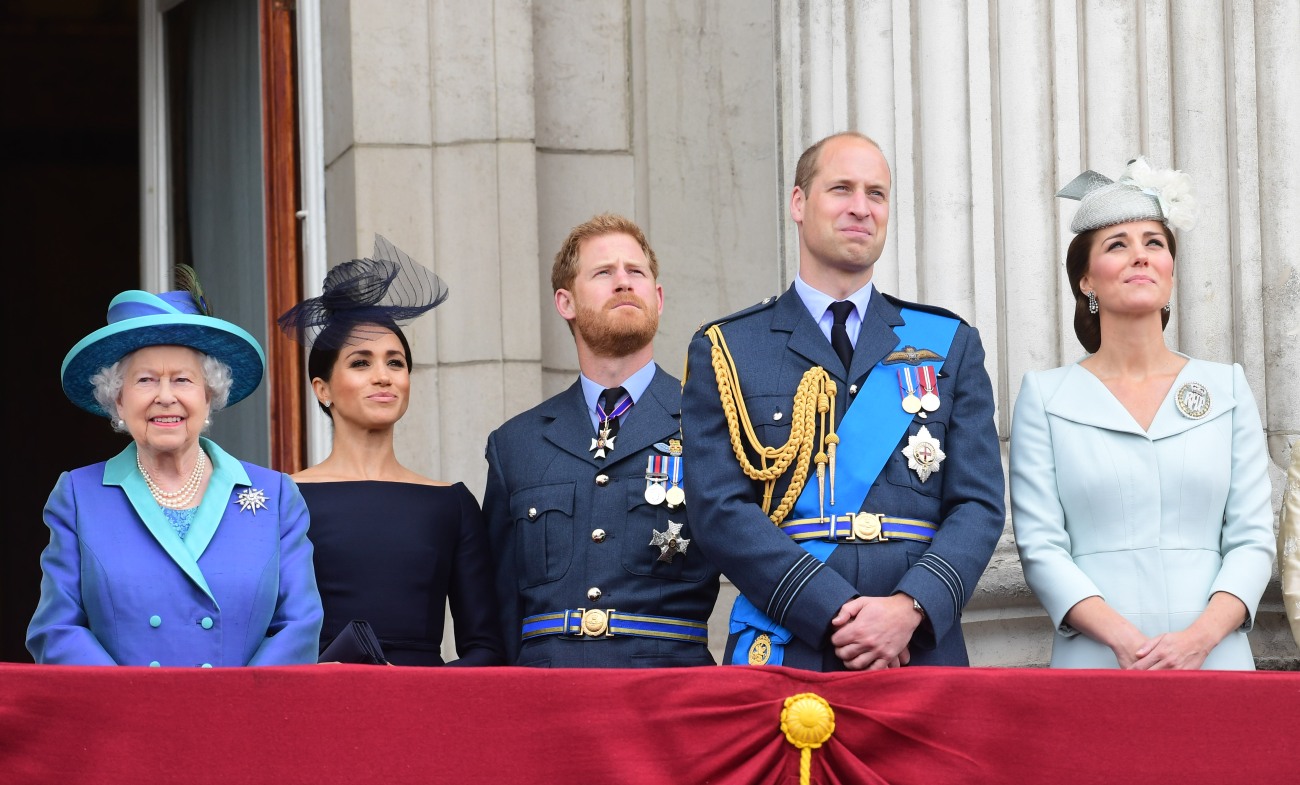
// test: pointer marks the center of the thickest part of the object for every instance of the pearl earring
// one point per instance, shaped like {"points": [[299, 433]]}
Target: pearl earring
{"points": [[1092, 302], [119, 423], [207, 422]]}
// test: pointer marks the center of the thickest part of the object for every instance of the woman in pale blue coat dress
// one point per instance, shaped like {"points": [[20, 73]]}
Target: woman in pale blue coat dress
{"points": [[1139, 487]]}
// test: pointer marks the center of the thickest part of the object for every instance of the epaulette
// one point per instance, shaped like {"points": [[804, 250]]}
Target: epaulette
{"points": [[934, 309], [767, 302]]}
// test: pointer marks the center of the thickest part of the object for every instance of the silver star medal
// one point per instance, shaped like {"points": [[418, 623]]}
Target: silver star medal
{"points": [[923, 454], [602, 442], [251, 499], [670, 543]]}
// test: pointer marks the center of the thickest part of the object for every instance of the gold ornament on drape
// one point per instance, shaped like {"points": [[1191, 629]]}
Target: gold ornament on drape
{"points": [[807, 722]]}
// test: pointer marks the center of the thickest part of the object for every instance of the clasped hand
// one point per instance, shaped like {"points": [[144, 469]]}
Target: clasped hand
{"points": [[1168, 651], [872, 633]]}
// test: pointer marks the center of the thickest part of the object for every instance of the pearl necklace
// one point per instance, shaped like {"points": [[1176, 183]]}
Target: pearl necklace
{"points": [[179, 499]]}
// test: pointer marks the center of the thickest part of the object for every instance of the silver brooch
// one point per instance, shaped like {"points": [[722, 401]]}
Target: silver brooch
{"points": [[1193, 400], [251, 499]]}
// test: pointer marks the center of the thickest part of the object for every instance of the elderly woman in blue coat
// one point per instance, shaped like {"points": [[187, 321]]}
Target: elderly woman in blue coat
{"points": [[172, 553], [1139, 487]]}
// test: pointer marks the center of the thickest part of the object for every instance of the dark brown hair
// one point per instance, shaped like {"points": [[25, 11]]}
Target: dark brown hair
{"points": [[1087, 326]]}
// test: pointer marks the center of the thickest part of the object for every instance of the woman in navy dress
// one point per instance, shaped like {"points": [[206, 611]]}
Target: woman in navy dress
{"points": [[392, 547]]}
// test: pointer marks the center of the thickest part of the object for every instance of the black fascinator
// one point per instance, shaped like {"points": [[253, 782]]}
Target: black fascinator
{"points": [[389, 289]]}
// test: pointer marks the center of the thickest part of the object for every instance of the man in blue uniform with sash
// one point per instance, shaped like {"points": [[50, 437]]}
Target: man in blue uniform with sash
{"points": [[587, 493], [847, 444]]}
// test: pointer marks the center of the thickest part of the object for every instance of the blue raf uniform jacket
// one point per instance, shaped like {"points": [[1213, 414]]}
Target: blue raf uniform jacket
{"points": [[120, 587], [773, 345], [547, 495]]}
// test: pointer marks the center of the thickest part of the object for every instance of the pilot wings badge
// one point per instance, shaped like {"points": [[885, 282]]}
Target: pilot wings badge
{"points": [[911, 355]]}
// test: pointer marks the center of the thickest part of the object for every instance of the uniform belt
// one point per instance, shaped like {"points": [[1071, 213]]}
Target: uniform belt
{"points": [[860, 527], [594, 623]]}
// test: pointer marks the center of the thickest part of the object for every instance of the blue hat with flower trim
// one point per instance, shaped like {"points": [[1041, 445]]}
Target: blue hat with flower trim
{"points": [[137, 319]]}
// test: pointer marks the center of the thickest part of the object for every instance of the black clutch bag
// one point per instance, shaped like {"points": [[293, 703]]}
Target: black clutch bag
{"points": [[355, 644]]}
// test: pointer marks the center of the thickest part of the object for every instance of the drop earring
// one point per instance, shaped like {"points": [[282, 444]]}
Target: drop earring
{"points": [[1169, 305], [1092, 302]]}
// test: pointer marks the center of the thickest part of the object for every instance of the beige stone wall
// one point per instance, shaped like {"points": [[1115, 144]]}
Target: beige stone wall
{"points": [[475, 135]]}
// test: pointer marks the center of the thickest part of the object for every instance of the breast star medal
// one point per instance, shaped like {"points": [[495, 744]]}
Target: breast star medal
{"points": [[251, 500], [1193, 400], [669, 543], [923, 453]]}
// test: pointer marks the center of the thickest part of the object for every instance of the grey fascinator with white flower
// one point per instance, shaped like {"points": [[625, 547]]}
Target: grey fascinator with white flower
{"points": [[1141, 194]]}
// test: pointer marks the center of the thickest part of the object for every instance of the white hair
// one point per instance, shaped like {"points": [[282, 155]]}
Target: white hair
{"points": [[108, 381]]}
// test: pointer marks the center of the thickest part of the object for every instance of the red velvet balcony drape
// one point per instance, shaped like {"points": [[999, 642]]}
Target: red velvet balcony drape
{"points": [[358, 724]]}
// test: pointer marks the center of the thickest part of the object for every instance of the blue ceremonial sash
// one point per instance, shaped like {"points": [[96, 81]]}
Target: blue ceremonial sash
{"points": [[868, 432]]}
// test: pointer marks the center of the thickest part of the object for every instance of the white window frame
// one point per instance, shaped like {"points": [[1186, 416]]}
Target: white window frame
{"points": [[311, 213], [155, 167]]}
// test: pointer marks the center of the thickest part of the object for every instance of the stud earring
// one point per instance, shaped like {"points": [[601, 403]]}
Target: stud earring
{"points": [[119, 423], [207, 422], [1092, 302], [328, 404]]}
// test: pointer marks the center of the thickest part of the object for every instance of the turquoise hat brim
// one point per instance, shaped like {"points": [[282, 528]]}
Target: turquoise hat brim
{"points": [[218, 338]]}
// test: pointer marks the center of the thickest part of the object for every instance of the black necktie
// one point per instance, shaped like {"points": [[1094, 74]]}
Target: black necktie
{"points": [[840, 332], [609, 409]]}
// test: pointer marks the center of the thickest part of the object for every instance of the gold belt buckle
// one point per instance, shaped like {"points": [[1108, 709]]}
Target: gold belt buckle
{"points": [[595, 623], [866, 528]]}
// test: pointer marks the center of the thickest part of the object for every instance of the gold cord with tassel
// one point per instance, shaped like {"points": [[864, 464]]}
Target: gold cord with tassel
{"points": [[814, 400]]}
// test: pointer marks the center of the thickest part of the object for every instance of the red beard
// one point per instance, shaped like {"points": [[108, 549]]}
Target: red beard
{"points": [[611, 331]]}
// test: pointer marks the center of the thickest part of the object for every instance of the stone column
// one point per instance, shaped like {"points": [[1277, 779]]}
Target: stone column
{"points": [[429, 141], [1278, 184]]}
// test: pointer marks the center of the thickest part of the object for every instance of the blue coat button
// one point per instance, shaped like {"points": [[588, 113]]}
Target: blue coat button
{"points": [[155, 621], [155, 664], [207, 622]]}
